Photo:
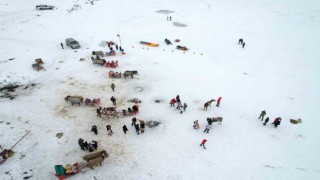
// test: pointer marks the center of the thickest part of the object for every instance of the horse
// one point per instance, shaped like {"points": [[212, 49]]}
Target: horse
{"points": [[37, 67], [95, 162], [99, 61], [129, 73], [94, 155], [74, 99], [295, 121], [215, 119]]}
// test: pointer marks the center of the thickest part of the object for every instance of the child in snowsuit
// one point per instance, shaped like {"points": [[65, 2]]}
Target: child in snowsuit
{"points": [[262, 114], [94, 129], [208, 127], [185, 106], [203, 142], [266, 121], [125, 129]]}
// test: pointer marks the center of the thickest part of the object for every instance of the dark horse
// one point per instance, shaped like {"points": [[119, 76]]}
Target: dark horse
{"points": [[129, 73]]}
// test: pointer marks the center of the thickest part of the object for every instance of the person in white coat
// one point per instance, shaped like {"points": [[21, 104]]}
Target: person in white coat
{"points": [[208, 127]]}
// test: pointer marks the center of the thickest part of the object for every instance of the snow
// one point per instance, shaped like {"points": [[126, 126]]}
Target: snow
{"points": [[277, 71]]}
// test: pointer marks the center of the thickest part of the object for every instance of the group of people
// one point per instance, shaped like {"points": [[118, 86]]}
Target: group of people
{"points": [[85, 146], [111, 43], [169, 18], [276, 122], [241, 42], [179, 104], [138, 127]]}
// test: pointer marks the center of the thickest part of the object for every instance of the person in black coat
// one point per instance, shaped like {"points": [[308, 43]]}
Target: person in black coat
{"points": [[210, 121], [125, 129], [266, 121], [243, 44], [130, 111], [142, 126], [94, 144], [80, 142], [99, 112], [113, 99], [85, 145], [137, 129], [94, 129], [134, 120], [240, 41], [117, 47]]}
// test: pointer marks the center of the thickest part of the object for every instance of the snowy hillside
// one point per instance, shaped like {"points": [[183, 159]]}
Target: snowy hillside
{"points": [[277, 71]]}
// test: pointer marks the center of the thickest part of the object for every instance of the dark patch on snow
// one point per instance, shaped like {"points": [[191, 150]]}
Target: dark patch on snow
{"points": [[179, 24], [59, 135], [158, 101], [152, 124], [9, 90], [165, 11]]}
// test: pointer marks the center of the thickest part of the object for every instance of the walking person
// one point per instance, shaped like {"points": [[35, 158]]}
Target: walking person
{"points": [[113, 86], [173, 102], [113, 100], [218, 101], [99, 111], [117, 47], [94, 129], [184, 106], [262, 114], [208, 127], [81, 142], [137, 129], [266, 121], [243, 44], [170, 18], [125, 129], [203, 142], [85, 146], [61, 44], [134, 120], [277, 122], [142, 126], [94, 144], [240, 41]]}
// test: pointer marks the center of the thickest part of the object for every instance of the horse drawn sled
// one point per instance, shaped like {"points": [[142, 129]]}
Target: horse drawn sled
{"points": [[113, 74], [90, 160], [38, 65], [110, 112], [94, 102], [79, 100], [183, 48], [112, 64]]}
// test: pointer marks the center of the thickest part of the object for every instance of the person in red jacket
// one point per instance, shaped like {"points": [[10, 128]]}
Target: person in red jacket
{"points": [[218, 101], [277, 122], [173, 102], [203, 142]]}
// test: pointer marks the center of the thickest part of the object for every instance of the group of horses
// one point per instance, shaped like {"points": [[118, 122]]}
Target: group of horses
{"points": [[126, 74], [79, 100]]}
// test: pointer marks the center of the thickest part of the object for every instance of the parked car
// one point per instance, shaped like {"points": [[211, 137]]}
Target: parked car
{"points": [[44, 7], [72, 43]]}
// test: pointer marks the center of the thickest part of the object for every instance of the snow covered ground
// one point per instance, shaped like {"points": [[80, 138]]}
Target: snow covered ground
{"points": [[277, 71]]}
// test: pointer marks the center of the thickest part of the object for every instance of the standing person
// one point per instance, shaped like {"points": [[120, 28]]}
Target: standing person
{"points": [[113, 86], [240, 41], [266, 121], [120, 48], [208, 127], [125, 129], [61, 44], [94, 144], [117, 47], [142, 126], [203, 142], [184, 106], [262, 114], [81, 142], [85, 145], [243, 44], [94, 129], [210, 121], [170, 18], [137, 129], [99, 111], [90, 147], [109, 130], [167, 18], [113, 99], [218, 101], [134, 120], [277, 122], [173, 102], [178, 97], [196, 125]]}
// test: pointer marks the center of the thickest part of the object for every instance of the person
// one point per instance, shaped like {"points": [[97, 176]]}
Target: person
{"points": [[61, 44], [170, 18], [94, 144], [130, 111], [124, 112], [210, 121], [173, 102], [94, 129], [243, 44], [178, 97], [109, 130], [184, 106], [266, 121], [203, 142], [113, 99], [99, 111], [262, 114], [80, 142], [167, 18], [135, 109], [218, 101], [137, 129], [178, 103], [113, 86], [134, 120], [90, 147], [125, 129], [196, 125], [277, 122], [85, 146], [117, 47], [142, 126], [240, 41], [208, 127]]}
